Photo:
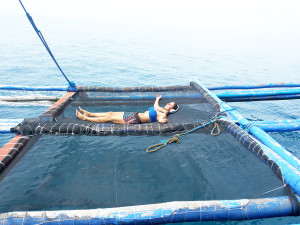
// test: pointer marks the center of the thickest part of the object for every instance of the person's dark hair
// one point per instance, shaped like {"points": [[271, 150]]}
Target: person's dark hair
{"points": [[175, 108]]}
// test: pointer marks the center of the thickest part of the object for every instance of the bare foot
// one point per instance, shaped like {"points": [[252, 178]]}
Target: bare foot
{"points": [[80, 116], [84, 112]]}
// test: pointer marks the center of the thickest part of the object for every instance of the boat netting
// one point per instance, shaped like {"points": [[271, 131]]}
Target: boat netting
{"points": [[114, 173]]}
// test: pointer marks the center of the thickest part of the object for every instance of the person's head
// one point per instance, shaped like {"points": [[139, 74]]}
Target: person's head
{"points": [[172, 107]]}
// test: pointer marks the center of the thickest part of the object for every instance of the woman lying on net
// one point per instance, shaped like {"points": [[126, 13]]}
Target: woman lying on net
{"points": [[154, 114]]}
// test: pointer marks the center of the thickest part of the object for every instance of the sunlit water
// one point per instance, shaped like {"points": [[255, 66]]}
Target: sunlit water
{"points": [[98, 54]]}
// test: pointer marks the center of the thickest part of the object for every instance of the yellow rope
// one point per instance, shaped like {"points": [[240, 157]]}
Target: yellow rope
{"points": [[216, 126], [171, 140]]}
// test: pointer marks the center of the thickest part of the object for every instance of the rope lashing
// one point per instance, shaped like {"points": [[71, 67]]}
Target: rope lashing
{"points": [[40, 35]]}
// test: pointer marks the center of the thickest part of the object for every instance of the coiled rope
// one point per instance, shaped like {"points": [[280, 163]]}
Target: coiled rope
{"points": [[175, 138]]}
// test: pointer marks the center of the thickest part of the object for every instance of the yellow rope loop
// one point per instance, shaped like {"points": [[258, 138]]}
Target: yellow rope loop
{"points": [[216, 126], [161, 145], [153, 146]]}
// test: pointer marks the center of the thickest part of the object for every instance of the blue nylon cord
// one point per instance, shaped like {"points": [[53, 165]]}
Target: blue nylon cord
{"points": [[39, 33], [205, 124]]}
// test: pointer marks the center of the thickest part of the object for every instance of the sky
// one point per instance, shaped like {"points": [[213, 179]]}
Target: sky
{"points": [[244, 15]]}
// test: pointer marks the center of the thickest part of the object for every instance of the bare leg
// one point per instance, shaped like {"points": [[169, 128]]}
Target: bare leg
{"points": [[92, 119], [87, 113], [115, 117]]}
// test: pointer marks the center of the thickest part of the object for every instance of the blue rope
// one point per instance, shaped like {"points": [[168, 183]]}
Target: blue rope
{"points": [[175, 138], [39, 33], [214, 119], [204, 125]]}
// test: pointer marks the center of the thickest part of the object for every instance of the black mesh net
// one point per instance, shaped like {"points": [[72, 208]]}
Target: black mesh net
{"points": [[94, 172]]}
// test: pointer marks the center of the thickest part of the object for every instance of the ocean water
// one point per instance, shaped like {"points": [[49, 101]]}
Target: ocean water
{"points": [[92, 53]]}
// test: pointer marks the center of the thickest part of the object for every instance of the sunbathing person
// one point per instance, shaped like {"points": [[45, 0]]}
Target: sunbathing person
{"points": [[154, 114]]}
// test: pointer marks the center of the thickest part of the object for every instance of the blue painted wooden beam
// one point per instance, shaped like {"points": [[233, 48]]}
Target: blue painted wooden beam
{"points": [[277, 126], [169, 212], [115, 89], [6, 124], [5, 129], [258, 93], [259, 98], [254, 86], [29, 88]]}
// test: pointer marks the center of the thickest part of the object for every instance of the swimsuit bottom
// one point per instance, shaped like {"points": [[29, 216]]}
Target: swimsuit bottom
{"points": [[131, 118]]}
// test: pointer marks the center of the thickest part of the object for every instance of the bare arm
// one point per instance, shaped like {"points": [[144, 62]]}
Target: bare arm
{"points": [[156, 104], [163, 119]]}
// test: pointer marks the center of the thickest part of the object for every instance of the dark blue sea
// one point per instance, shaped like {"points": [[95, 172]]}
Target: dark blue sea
{"points": [[80, 172]]}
